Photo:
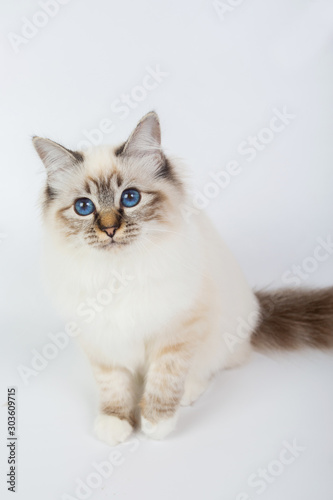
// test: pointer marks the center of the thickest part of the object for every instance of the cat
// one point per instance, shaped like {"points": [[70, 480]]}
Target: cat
{"points": [[184, 309]]}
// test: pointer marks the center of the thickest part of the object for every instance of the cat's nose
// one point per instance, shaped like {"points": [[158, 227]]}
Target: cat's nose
{"points": [[110, 231]]}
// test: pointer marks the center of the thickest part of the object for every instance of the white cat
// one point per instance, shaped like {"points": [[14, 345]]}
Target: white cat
{"points": [[171, 306]]}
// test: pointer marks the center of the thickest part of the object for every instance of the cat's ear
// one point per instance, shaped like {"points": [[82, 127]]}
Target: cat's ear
{"points": [[145, 139], [54, 156]]}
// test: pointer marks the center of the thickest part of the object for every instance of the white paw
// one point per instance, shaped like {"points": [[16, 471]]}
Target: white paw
{"points": [[192, 391], [111, 429], [159, 430]]}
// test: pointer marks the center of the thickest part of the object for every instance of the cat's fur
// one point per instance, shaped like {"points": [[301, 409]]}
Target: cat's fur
{"points": [[183, 310]]}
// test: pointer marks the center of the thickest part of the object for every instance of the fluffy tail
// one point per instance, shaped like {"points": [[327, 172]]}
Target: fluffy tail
{"points": [[292, 318]]}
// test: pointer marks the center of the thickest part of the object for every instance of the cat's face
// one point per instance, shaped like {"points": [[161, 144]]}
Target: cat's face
{"points": [[110, 198]]}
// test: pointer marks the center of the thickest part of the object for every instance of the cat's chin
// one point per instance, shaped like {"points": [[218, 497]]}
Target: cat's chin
{"points": [[113, 246]]}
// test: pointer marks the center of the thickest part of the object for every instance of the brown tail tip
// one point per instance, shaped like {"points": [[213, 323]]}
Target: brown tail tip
{"points": [[292, 318]]}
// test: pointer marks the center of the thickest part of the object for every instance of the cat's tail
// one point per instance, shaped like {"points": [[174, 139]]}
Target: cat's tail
{"points": [[292, 318]]}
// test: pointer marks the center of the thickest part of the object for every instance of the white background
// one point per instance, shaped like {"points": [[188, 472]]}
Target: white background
{"points": [[225, 77]]}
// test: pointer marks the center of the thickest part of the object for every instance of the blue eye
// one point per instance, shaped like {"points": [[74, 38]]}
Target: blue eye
{"points": [[130, 198], [84, 206]]}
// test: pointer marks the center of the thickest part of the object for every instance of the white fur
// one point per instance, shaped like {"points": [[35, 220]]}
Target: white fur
{"points": [[161, 278], [149, 302], [159, 430], [111, 429], [193, 390]]}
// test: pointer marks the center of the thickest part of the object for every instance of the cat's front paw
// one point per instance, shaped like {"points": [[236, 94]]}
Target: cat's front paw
{"points": [[160, 429], [112, 430]]}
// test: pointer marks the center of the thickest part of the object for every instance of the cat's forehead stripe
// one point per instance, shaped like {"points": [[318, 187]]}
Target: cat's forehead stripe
{"points": [[106, 181], [119, 179], [94, 181], [104, 186], [87, 187]]}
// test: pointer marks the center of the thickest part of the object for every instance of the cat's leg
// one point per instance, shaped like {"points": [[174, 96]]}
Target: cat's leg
{"points": [[204, 368], [194, 387], [213, 355], [170, 366], [116, 418], [164, 389]]}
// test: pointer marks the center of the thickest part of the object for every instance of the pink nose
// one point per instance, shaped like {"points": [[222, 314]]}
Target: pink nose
{"points": [[110, 231]]}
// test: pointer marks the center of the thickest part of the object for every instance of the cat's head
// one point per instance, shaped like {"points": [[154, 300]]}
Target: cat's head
{"points": [[109, 198]]}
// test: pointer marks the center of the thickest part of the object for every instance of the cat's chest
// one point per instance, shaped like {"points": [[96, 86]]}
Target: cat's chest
{"points": [[120, 304], [117, 320], [132, 300], [134, 303]]}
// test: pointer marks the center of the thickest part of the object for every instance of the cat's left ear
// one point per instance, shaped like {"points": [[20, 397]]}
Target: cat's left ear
{"points": [[145, 140], [55, 157]]}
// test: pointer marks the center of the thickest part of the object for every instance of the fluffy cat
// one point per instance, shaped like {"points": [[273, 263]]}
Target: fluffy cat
{"points": [[181, 309]]}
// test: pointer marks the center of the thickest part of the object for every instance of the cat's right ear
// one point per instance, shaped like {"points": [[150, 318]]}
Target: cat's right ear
{"points": [[55, 157]]}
